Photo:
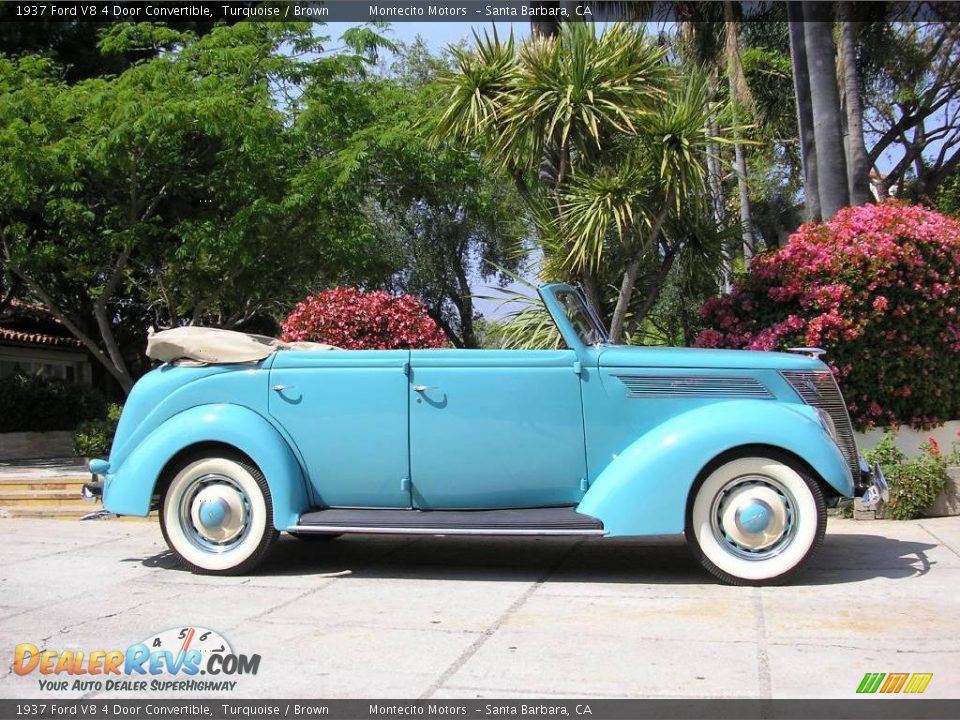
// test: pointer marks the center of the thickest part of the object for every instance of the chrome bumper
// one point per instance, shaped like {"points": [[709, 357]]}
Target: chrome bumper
{"points": [[873, 485]]}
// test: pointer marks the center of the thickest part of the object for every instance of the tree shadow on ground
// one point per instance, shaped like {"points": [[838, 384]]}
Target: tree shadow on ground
{"points": [[844, 558]]}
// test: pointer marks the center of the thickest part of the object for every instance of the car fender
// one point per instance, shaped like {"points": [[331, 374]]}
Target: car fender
{"points": [[644, 490], [128, 490]]}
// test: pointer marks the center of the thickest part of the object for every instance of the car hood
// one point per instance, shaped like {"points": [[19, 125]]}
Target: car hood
{"points": [[656, 357]]}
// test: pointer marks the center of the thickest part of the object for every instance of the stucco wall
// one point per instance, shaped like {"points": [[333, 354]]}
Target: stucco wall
{"points": [[28, 445], [909, 440]]}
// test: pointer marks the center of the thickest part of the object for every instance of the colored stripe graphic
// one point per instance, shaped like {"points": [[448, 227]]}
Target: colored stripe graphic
{"points": [[918, 683], [894, 683], [870, 682]]}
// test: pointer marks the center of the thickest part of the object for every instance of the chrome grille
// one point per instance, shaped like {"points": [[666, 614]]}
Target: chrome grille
{"points": [[820, 390], [653, 386]]}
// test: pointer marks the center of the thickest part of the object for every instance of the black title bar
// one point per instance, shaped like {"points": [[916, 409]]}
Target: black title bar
{"points": [[466, 11], [720, 709]]}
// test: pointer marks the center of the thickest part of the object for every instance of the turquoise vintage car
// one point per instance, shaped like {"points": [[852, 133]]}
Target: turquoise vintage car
{"points": [[741, 452]]}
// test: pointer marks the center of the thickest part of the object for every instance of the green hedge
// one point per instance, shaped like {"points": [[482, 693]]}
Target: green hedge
{"points": [[94, 438], [34, 403]]}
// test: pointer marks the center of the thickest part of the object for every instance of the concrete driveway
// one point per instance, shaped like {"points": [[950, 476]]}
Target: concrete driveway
{"points": [[390, 617]]}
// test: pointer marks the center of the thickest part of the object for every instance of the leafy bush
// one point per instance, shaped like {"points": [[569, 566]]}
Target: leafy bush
{"points": [[879, 288], [34, 403], [94, 438], [914, 483], [356, 320]]}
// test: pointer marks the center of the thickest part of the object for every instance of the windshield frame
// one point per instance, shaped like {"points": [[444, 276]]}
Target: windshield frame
{"points": [[576, 320]]}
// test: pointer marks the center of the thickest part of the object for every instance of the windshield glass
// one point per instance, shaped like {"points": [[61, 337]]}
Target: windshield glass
{"points": [[583, 321]]}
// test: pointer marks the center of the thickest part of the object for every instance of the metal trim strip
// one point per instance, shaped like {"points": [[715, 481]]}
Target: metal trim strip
{"points": [[436, 531]]}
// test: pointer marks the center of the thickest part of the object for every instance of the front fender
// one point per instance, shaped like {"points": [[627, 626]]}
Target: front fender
{"points": [[128, 490], [644, 490]]}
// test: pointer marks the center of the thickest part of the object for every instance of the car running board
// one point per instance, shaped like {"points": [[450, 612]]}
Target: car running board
{"points": [[527, 521]]}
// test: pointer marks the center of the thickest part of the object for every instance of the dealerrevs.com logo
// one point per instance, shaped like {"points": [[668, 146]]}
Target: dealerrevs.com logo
{"points": [[172, 660]]}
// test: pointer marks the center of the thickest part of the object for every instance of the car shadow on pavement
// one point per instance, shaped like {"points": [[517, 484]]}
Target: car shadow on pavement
{"points": [[844, 558]]}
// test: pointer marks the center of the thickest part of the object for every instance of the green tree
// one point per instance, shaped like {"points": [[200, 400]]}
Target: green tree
{"points": [[911, 102], [439, 218], [73, 44], [171, 191]]}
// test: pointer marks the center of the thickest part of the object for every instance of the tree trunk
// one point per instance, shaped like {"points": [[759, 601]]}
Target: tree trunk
{"points": [[591, 289], [451, 334], [653, 292], [858, 166], [801, 86], [745, 218], [548, 26], [467, 331], [120, 372], [630, 273], [825, 102], [715, 185], [737, 83]]}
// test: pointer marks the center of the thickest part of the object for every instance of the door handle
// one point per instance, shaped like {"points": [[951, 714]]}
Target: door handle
{"points": [[281, 388], [424, 388]]}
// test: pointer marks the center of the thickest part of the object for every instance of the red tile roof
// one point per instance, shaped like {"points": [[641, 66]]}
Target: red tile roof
{"points": [[29, 324], [7, 335]]}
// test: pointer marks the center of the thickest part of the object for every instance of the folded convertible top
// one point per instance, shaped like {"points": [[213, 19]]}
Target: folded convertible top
{"points": [[211, 345]]}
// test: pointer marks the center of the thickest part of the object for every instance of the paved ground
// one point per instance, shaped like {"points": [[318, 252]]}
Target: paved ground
{"points": [[463, 617]]}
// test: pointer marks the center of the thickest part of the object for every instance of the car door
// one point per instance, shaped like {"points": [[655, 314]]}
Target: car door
{"points": [[346, 411], [494, 429]]}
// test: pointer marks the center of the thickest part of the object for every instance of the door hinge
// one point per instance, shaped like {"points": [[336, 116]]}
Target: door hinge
{"points": [[584, 485], [577, 367], [404, 485], [406, 368]]}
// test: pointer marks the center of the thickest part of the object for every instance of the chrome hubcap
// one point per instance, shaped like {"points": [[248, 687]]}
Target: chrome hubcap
{"points": [[214, 512], [753, 517]]}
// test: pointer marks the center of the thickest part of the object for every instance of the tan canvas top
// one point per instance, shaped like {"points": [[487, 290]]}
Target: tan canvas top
{"points": [[211, 345]]}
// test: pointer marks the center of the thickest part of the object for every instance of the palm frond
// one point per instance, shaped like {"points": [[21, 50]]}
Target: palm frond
{"points": [[473, 95], [529, 325]]}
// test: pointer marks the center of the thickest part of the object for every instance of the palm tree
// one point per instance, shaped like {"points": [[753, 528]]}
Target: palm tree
{"points": [[629, 133]]}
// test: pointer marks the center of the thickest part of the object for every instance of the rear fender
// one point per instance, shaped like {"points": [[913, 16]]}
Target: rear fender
{"points": [[644, 490], [128, 490]]}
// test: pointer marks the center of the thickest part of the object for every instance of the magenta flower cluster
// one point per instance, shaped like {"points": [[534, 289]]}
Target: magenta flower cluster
{"points": [[355, 320], [879, 288]]}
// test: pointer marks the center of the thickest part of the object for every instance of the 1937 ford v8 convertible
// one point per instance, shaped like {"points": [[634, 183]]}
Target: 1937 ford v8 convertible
{"points": [[740, 451]]}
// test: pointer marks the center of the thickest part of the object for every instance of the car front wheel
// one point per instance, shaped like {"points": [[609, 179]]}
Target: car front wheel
{"points": [[756, 520], [217, 515]]}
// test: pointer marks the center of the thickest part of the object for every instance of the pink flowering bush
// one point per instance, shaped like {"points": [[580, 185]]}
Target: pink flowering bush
{"points": [[878, 288], [356, 320]]}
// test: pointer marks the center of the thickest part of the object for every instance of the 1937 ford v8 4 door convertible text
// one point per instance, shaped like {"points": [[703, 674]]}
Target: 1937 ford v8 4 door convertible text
{"points": [[741, 451]]}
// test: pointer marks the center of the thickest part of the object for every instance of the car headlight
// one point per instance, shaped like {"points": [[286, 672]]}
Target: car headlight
{"points": [[827, 422]]}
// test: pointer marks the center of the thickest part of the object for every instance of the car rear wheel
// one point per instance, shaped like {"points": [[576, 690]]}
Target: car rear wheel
{"points": [[217, 515], [756, 520]]}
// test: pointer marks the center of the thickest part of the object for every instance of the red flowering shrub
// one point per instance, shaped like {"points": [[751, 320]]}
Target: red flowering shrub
{"points": [[356, 320], [878, 287]]}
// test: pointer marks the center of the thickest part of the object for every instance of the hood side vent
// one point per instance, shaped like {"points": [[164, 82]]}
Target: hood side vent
{"points": [[694, 386]]}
